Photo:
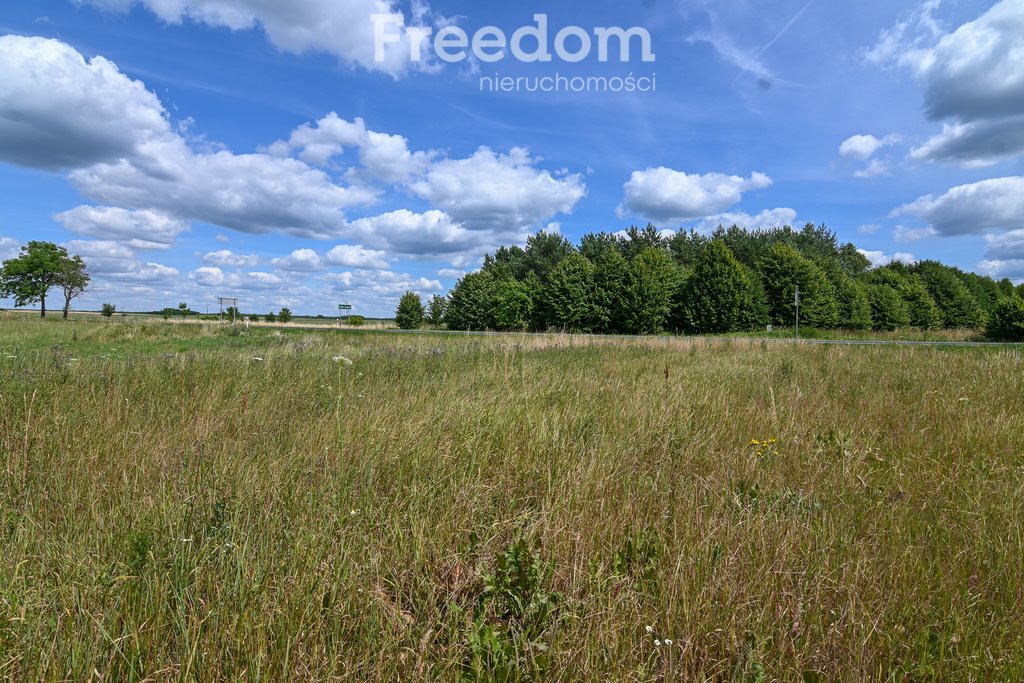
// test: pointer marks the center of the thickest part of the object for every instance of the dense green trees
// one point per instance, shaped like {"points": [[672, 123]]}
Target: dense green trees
{"points": [[651, 282], [646, 281], [569, 298], [718, 295], [888, 309], [1006, 323], [783, 269]]}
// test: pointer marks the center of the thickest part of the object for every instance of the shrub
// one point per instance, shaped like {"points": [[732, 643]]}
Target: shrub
{"points": [[356, 320], [1007, 321], [285, 315], [108, 310]]}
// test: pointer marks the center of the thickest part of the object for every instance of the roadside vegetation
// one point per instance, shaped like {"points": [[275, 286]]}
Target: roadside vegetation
{"points": [[210, 502], [650, 282]]}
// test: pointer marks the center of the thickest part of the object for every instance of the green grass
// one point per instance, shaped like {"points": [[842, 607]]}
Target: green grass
{"points": [[206, 503]]}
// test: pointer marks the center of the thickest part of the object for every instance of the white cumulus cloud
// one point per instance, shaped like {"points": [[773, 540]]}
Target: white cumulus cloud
{"points": [[664, 195], [997, 203], [501, 193], [340, 27], [60, 110], [972, 79], [140, 229], [355, 256], [229, 259]]}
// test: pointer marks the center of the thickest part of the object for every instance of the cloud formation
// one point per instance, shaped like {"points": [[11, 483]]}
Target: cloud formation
{"points": [[60, 111], [994, 204], [664, 195], [344, 29], [153, 178], [142, 229], [972, 80]]}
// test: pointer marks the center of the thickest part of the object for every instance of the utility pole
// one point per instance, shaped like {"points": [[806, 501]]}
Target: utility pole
{"points": [[796, 300]]}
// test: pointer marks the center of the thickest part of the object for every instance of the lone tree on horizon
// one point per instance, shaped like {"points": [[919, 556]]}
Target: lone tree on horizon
{"points": [[40, 266]]}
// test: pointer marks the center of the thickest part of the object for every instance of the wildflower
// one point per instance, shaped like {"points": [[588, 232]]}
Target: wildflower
{"points": [[649, 629], [657, 643], [342, 360], [668, 641]]}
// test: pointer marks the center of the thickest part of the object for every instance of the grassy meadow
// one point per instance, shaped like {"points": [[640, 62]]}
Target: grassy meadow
{"points": [[204, 503]]}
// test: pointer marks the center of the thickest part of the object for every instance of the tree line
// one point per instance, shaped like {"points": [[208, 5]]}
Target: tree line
{"points": [[734, 280]]}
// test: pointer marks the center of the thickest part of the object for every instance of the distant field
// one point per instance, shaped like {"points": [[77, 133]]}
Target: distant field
{"points": [[207, 502], [27, 313]]}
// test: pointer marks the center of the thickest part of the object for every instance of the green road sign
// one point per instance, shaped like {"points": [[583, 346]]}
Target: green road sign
{"points": [[344, 307]]}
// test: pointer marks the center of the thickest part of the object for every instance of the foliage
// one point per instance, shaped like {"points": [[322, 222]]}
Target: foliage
{"points": [[611, 273], [637, 559], [470, 303], [651, 284], [108, 310], [39, 267], [854, 305], [923, 311], [409, 314], [270, 317], [569, 296], [284, 315], [513, 306], [1006, 323], [544, 251], [435, 310], [888, 309], [784, 269], [356, 320], [718, 296], [958, 306], [638, 281], [513, 616], [73, 280]]}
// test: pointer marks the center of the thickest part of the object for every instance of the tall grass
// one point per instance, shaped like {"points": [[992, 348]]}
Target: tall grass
{"points": [[183, 503]]}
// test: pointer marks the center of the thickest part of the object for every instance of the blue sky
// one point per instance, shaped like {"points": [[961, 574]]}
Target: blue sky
{"points": [[191, 149]]}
